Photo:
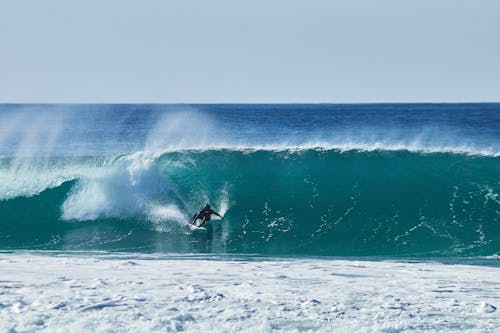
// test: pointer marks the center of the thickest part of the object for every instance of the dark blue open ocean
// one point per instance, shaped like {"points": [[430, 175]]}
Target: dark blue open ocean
{"points": [[399, 180]]}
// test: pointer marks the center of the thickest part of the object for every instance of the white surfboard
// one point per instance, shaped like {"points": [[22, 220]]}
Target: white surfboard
{"points": [[194, 227]]}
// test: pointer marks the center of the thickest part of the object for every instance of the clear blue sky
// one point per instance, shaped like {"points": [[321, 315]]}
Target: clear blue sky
{"points": [[249, 51]]}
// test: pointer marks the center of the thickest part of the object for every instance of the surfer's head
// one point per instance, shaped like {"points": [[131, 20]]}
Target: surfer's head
{"points": [[207, 206]]}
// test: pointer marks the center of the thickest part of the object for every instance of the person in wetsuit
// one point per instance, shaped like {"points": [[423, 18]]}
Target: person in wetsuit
{"points": [[204, 215]]}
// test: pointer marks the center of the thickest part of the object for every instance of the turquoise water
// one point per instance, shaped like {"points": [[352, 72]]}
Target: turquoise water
{"points": [[427, 189], [317, 202]]}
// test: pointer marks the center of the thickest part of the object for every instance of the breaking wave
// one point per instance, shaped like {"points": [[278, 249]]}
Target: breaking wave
{"points": [[275, 200]]}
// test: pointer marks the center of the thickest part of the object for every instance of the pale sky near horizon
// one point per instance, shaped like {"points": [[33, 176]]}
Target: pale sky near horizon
{"points": [[248, 51]]}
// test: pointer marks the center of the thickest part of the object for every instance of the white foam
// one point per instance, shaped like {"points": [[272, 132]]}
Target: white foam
{"points": [[131, 185], [148, 293]]}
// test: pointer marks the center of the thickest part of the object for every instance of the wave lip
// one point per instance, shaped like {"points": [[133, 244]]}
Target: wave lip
{"points": [[342, 147]]}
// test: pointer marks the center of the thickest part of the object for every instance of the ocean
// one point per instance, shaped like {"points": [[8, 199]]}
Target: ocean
{"points": [[370, 188], [328, 180]]}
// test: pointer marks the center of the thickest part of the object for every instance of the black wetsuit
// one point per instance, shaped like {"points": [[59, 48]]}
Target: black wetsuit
{"points": [[204, 215]]}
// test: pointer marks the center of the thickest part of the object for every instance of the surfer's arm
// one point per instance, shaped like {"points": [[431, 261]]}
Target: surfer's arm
{"points": [[215, 213]]}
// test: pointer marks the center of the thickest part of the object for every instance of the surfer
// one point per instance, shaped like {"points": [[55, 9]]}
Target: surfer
{"points": [[204, 215]]}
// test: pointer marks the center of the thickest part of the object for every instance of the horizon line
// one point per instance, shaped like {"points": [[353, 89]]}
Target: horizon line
{"points": [[240, 103]]}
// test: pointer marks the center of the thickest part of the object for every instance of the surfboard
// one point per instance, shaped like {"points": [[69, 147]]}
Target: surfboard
{"points": [[192, 224], [194, 227]]}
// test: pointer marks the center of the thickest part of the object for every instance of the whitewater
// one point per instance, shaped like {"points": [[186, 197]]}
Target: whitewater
{"points": [[375, 217]]}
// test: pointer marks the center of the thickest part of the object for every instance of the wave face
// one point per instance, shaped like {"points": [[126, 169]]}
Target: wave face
{"points": [[280, 202]]}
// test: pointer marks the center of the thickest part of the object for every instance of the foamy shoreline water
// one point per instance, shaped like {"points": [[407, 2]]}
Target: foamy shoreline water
{"points": [[73, 293]]}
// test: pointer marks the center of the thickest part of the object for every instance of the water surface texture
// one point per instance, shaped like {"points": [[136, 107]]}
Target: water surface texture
{"points": [[414, 180]]}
